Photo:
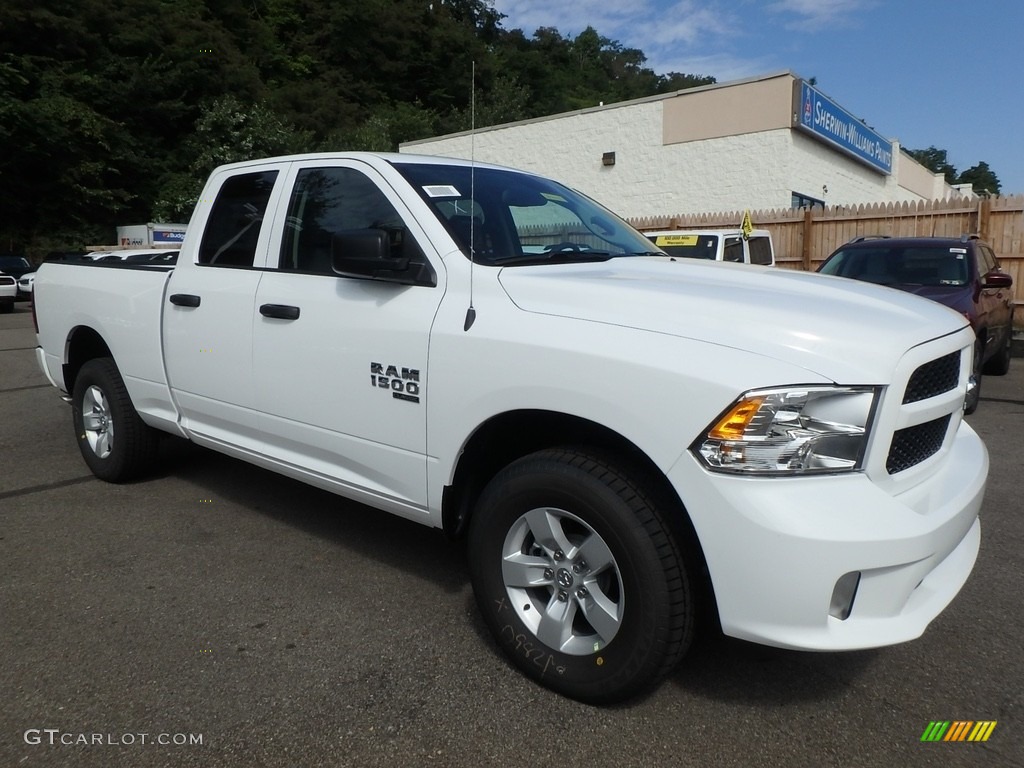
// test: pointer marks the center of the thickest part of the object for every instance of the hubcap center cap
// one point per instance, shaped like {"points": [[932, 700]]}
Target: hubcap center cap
{"points": [[564, 578]]}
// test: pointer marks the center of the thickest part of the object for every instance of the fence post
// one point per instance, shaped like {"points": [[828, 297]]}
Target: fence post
{"points": [[808, 236], [984, 217]]}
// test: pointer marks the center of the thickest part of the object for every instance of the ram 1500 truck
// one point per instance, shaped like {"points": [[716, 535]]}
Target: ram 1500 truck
{"points": [[621, 436]]}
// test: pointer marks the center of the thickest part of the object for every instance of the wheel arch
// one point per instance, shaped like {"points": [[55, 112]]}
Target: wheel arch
{"points": [[82, 345], [511, 435]]}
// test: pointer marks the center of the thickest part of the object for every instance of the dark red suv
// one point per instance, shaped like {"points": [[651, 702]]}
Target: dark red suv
{"points": [[962, 273]]}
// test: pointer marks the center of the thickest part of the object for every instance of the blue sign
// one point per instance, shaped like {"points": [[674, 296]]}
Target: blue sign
{"points": [[164, 236], [824, 119]]}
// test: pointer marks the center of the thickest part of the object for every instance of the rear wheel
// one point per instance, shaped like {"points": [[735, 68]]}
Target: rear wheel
{"points": [[114, 441], [578, 577]]}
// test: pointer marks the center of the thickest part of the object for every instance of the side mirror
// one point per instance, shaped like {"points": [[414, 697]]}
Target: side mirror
{"points": [[379, 254], [364, 253], [997, 279]]}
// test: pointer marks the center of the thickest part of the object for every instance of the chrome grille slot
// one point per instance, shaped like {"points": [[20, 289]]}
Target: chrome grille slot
{"points": [[934, 378]]}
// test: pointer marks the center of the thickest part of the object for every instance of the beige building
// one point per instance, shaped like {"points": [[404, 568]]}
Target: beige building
{"points": [[765, 142]]}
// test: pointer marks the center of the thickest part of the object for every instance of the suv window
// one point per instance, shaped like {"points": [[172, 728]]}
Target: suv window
{"points": [[986, 260], [326, 201], [892, 265], [233, 228]]}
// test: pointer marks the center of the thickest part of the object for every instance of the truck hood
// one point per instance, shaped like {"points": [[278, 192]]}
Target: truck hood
{"points": [[844, 330]]}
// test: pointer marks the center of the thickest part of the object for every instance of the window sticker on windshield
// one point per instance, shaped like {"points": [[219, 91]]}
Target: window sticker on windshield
{"points": [[675, 240], [552, 197], [958, 250], [441, 190]]}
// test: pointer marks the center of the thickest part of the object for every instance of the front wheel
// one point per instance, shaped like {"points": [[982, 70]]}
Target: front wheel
{"points": [[114, 441], [578, 577]]}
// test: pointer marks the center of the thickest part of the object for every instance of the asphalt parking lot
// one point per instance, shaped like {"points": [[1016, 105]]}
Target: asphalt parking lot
{"points": [[284, 626]]}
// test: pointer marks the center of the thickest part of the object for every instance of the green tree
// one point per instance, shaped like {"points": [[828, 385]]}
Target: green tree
{"points": [[228, 131], [981, 178], [118, 108]]}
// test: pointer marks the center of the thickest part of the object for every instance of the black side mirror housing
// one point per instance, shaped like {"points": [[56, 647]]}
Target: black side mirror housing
{"points": [[997, 279], [371, 254]]}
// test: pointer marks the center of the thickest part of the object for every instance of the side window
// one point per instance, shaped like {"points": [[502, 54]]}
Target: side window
{"points": [[733, 249], [326, 201], [760, 250], [233, 228], [986, 260]]}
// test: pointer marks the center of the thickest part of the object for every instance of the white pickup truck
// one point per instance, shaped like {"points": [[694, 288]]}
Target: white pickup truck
{"points": [[629, 442]]}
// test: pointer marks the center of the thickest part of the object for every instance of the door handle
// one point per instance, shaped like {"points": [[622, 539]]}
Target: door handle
{"points": [[280, 311], [184, 300]]}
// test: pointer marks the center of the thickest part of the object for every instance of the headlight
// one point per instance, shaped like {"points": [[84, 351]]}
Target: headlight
{"points": [[797, 430]]}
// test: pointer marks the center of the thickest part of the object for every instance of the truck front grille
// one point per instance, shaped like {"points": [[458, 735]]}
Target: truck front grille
{"points": [[912, 445], [933, 378]]}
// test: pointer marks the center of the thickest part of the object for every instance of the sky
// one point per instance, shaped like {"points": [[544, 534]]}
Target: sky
{"points": [[942, 73]]}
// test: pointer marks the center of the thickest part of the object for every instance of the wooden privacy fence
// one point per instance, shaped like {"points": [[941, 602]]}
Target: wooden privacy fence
{"points": [[804, 237]]}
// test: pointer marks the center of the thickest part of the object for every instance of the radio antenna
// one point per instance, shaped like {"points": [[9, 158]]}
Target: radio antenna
{"points": [[471, 311]]}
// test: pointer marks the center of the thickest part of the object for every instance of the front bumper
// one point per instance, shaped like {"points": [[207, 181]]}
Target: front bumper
{"points": [[776, 548]]}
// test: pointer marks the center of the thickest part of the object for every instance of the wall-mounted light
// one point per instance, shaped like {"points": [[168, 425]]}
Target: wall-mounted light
{"points": [[608, 158]]}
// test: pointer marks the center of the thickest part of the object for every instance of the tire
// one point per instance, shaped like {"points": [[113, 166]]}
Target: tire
{"points": [[114, 441], [578, 577], [999, 365]]}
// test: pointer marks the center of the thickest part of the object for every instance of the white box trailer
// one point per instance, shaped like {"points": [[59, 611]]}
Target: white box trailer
{"points": [[151, 235]]}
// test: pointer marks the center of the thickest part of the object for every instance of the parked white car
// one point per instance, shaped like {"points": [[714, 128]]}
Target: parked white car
{"points": [[25, 283]]}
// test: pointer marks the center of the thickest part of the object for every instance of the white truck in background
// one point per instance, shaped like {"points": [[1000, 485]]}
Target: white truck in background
{"points": [[151, 235], [631, 443], [717, 245]]}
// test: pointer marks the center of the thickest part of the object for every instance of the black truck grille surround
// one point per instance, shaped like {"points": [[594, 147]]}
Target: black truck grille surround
{"points": [[933, 379], [913, 445]]}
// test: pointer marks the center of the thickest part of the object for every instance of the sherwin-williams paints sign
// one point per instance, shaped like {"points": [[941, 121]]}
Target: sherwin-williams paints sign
{"points": [[822, 118]]}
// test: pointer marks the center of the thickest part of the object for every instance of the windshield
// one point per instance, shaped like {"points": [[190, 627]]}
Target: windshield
{"points": [[14, 262], [514, 218], [916, 265]]}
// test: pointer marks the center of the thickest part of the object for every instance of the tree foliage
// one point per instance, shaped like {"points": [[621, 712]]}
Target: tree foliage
{"points": [[980, 176], [114, 111]]}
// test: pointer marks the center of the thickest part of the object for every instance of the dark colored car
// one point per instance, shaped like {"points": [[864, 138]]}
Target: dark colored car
{"points": [[962, 273], [15, 266]]}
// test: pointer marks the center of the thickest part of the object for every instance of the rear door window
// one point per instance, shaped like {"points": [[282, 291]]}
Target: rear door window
{"points": [[233, 229]]}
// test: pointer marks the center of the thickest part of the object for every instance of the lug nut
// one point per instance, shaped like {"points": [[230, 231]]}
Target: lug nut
{"points": [[559, 554], [562, 597], [549, 573], [582, 592]]}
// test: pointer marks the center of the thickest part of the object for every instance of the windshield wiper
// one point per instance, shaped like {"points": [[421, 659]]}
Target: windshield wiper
{"points": [[558, 257]]}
